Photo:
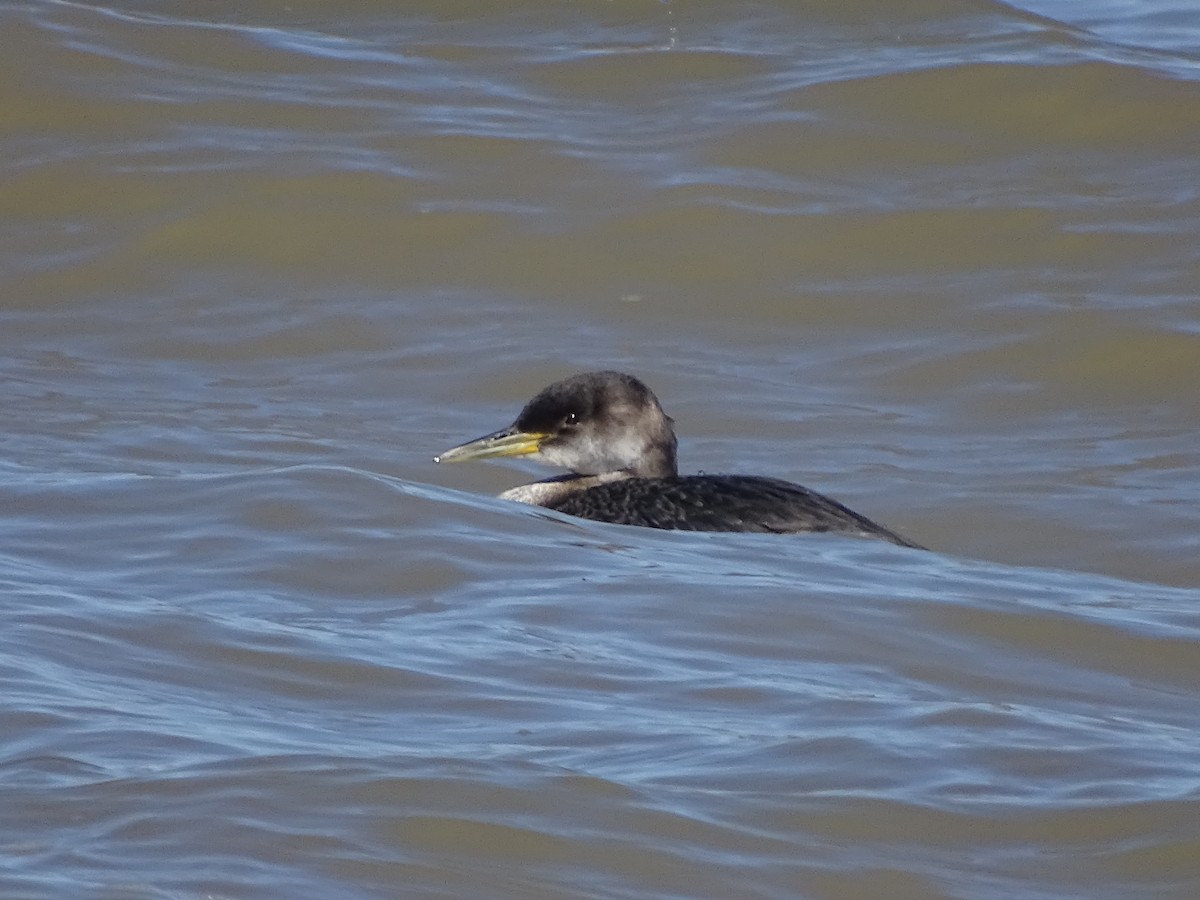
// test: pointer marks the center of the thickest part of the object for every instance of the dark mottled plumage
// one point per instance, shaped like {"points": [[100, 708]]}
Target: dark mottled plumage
{"points": [[609, 430], [719, 503]]}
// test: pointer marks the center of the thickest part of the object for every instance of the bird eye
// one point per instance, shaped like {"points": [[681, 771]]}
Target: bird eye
{"points": [[571, 418]]}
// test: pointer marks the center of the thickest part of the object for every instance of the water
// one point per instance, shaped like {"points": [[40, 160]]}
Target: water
{"points": [[258, 265]]}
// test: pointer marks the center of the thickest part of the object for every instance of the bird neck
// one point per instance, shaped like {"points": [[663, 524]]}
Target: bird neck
{"points": [[551, 491], [657, 461]]}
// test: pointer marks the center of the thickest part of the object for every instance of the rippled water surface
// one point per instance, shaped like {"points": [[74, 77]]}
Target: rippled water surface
{"points": [[260, 262]]}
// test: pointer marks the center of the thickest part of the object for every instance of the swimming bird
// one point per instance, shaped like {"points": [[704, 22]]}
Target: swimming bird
{"points": [[611, 434]]}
